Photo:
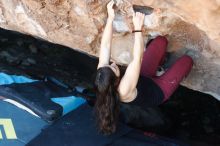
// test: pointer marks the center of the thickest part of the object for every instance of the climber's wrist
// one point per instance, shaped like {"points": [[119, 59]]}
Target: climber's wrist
{"points": [[137, 31]]}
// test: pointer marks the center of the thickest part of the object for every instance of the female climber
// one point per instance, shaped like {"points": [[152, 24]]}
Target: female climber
{"points": [[139, 86]]}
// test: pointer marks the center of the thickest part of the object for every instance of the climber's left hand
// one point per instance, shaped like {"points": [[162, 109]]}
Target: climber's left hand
{"points": [[111, 11]]}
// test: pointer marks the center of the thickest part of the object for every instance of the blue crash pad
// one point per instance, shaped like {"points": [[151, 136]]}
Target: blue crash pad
{"points": [[6, 79], [47, 99], [26, 126]]}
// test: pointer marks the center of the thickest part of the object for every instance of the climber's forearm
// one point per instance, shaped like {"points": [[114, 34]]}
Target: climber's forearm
{"points": [[138, 47], [105, 50]]}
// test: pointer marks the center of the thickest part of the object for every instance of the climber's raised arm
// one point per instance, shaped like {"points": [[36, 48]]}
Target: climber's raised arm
{"points": [[105, 50], [127, 86]]}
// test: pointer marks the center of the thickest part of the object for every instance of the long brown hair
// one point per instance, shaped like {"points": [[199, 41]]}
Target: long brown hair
{"points": [[107, 100]]}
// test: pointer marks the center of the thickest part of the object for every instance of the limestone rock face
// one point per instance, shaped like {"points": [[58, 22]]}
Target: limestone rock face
{"points": [[191, 27]]}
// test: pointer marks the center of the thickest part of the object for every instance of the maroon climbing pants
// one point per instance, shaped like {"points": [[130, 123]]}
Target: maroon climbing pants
{"points": [[153, 57]]}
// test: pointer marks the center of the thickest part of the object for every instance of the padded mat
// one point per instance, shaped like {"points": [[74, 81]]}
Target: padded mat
{"points": [[18, 127], [47, 99], [137, 138], [77, 128]]}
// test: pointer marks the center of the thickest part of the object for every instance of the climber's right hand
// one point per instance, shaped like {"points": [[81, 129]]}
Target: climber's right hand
{"points": [[138, 20], [111, 11]]}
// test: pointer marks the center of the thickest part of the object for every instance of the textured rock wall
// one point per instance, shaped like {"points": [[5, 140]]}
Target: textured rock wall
{"points": [[191, 27]]}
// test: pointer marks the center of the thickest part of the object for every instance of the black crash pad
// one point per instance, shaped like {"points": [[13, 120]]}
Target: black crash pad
{"points": [[77, 128], [37, 97]]}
